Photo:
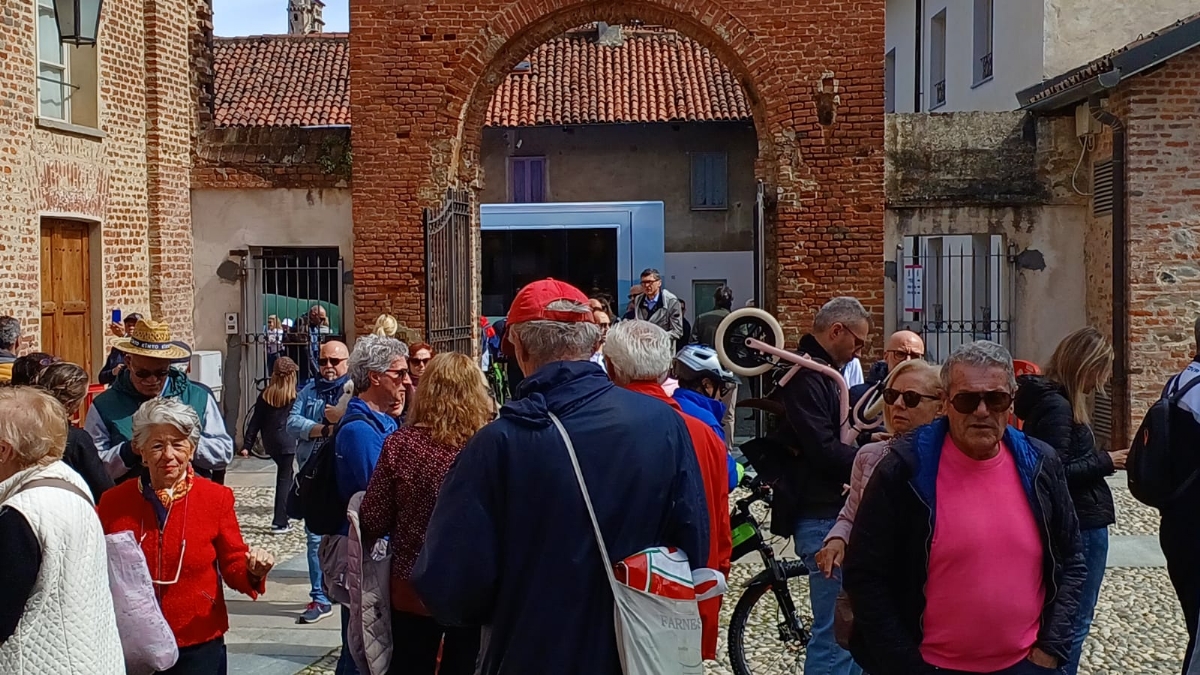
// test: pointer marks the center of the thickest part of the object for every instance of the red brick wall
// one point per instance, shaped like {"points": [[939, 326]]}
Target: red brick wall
{"points": [[421, 81], [1162, 114]]}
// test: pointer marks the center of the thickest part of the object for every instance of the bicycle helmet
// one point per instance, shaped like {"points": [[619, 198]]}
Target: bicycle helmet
{"points": [[695, 362]]}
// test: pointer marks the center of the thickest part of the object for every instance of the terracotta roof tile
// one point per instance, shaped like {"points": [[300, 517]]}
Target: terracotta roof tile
{"points": [[282, 80], [653, 75]]}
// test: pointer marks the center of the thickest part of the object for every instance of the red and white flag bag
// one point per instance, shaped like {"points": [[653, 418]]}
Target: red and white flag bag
{"points": [[655, 596]]}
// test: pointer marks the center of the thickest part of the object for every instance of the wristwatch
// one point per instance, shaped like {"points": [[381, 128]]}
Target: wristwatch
{"points": [[325, 429]]}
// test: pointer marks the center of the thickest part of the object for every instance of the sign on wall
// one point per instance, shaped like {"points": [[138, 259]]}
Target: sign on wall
{"points": [[914, 286]]}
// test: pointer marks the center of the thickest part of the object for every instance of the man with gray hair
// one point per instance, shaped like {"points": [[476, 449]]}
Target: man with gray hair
{"points": [[809, 495], [997, 590], [378, 367], [511, 545], [639, 357], [10, 338]]}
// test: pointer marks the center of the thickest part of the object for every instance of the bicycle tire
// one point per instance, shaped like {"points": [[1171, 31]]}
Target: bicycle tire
{"points": [[739, 658]]}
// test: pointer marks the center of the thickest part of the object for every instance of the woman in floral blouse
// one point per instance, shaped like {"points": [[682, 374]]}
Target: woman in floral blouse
{"points": [[452, 403]]}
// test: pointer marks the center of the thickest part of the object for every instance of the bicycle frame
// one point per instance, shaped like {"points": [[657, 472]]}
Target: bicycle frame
{"points": [[774, 573]]}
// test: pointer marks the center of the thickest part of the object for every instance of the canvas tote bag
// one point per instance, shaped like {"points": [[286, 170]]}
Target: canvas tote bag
{"points": [[655, 635]]}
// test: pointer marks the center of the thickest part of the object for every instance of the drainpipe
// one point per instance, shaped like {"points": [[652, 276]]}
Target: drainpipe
{"points": [[917, 74], [1120, 275]]}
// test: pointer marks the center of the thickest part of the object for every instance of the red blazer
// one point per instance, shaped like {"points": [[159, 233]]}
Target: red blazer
{"points": [[714, 471], [205, 519]]}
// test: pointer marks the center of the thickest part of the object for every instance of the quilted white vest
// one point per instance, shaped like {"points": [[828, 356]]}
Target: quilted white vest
{"points": [[69, 626]]}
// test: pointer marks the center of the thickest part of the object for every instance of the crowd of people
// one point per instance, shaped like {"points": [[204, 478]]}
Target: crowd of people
{"points": [[941, 514]]}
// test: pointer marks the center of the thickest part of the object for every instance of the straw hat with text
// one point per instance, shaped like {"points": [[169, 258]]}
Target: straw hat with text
{"points": [[152, 339]]}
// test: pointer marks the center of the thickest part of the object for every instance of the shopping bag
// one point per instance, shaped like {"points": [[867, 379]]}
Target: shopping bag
{"points": [[146, 637]]}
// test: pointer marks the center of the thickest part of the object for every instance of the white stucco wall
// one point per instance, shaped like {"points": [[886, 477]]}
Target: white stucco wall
{"points": [[1078, 31], [225, 220], [1016, 50]]}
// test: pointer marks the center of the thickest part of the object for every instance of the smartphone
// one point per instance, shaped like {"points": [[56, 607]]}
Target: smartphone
{"points": [[116, 317]]}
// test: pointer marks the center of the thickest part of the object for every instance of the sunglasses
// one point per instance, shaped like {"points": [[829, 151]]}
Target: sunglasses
{"points": [[968, 401], [152, 374], [859, 342], [905, 356], [911, 398], [398, 373], [419, 362], [330, 362]]}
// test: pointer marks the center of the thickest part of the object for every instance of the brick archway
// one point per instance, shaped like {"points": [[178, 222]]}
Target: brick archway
{"points": [[421, 82]]}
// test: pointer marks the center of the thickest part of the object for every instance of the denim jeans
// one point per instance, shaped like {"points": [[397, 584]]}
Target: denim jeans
{"points": [[345, 664], [1095, 554], [314, 568], [824, 656]]}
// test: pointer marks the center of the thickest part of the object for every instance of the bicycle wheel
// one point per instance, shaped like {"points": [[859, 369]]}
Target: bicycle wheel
{"points": [[765, 638]]}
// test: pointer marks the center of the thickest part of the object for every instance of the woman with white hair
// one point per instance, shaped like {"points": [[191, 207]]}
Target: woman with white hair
{"points": [[190, 551], [56, 610]]}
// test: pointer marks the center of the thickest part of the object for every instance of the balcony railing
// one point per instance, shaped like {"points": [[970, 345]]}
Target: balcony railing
{"points": [[986, 63]]}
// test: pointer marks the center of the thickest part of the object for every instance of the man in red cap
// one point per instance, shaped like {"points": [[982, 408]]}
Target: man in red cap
{"points": [[511, 545]]}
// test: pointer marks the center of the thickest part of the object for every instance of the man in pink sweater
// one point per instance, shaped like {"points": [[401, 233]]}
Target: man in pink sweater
{"points": [[965, 555]]}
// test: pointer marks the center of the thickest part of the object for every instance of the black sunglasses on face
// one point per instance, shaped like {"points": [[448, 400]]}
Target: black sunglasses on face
{"points": [[419, 362], [968, 401], [330, 362], [911, 398], [155, 374]]}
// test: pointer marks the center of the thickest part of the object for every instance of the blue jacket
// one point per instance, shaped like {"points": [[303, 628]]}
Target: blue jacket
{"points": [[710, 411], [358, 445], [510, 544], [308, 411]]}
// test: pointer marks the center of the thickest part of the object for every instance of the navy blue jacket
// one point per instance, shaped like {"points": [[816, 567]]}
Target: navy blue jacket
{"points": [[510, 545], [887, 560]]}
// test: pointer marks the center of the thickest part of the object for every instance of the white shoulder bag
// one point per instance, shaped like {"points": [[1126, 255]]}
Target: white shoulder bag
{"points": [[655, 635]]}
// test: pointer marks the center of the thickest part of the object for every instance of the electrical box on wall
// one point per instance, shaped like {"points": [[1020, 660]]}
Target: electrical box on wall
{"points": [[1085, 124], [231, 323]]}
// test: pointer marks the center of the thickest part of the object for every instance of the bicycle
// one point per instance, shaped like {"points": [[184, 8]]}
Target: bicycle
{"points": [[767, 600]]}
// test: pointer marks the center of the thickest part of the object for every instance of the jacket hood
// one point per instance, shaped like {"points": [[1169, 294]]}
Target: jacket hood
{"points": [[559, 387], [1031, 391], [701, 401]]}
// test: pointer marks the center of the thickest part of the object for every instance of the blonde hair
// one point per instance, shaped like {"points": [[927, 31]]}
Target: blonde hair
{"points": [[919, 367], [386, 326], [34, 423], [273, 322], [452, 399], [1081, 362], [281, 391]]}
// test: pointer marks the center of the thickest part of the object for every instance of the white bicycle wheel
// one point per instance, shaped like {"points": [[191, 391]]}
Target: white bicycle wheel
{"points": [[736, 329]]}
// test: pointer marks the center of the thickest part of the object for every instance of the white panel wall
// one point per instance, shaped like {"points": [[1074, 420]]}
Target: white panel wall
{"points": [[735, 267]]}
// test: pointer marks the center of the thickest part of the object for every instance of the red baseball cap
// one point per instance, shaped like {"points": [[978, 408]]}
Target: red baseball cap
{"points": [[530, 305]]}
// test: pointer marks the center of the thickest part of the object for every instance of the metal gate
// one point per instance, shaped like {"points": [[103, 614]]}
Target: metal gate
{"points": [[279, 288], [448, 316], [955, 289]]}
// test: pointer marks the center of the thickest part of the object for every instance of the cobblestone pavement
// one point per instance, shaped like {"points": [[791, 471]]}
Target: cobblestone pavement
{"points": [[1138, 628]]}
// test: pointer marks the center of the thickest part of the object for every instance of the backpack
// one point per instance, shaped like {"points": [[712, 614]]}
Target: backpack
{"points": [[1152, 465], [314, 495]]}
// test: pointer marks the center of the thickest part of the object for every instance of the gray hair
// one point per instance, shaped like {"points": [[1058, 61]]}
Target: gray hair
{"points": [[10, 332], [373, 354], [549, 341], [844, 310], [166, 411], [638, 351], [980, 354]]}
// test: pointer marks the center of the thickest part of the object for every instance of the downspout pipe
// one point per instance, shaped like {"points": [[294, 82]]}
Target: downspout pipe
{"points": [[1120, 272], [918, 73]]}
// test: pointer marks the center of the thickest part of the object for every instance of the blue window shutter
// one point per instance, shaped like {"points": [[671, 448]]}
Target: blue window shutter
{"points": [[699, 182], [517, 171], [537, 179], [718, 180]]}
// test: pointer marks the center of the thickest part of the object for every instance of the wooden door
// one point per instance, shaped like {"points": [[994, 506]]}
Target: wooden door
{"points": [[66, 292]]}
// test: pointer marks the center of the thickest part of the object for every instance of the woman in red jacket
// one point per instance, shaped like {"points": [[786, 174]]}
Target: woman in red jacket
{"points": [[189, 533], [452, 404]]}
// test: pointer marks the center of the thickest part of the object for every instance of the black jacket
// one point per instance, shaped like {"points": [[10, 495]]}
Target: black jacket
{"points": [[271, 422], [819, 463], [1046, 413], [81, 454], [887, 560]]}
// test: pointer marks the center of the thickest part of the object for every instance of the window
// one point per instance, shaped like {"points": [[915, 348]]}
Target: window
{"points": [[982, 64], [527, 180], [937, 61], [710, 181], [66, 74], [889, 82]]}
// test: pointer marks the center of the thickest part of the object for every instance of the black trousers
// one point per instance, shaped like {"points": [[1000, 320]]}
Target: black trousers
{"points": [[415, 642], [1179, 536], [217, 476], [206, 658], [285, 471]]}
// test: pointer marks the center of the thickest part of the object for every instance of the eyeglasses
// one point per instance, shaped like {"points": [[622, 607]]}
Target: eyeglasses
{"points": [[330, 362], [398, 373], [419, 362], [911, 398], [859, 342], [905, 356], [968, 401], [152, 374]]}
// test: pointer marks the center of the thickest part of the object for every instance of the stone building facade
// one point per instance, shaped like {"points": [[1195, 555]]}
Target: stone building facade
{"points": [[96, 144]]}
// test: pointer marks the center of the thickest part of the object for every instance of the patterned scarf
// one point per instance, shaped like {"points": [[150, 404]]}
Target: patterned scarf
{"points": [[162, 500]]}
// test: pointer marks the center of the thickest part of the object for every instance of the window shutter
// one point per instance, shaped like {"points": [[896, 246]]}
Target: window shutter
{"points": [[699, 176], [517, 172], [718, 177], [1102, 188], [537, 180]]}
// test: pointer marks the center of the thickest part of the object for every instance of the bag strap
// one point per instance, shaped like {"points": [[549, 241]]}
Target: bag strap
{"points": [[587, 500], [1173, 400], [60, 483]]}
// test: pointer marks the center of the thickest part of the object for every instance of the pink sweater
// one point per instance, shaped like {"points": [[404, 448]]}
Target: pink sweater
{"points": [[864, 465]]}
